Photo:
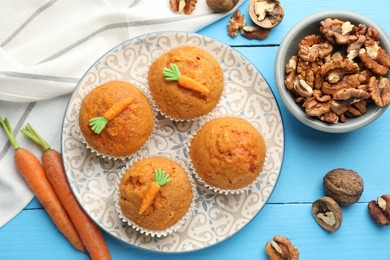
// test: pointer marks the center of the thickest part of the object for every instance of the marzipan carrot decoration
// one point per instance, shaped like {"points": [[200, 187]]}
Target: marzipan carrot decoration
{"points": [[184, 81], [31, 170], [89, 232], [99, 123], [160, 179]]}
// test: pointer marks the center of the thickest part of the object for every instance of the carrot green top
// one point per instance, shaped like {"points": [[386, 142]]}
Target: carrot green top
{"points": [[160, 177], [8, 131], [173, 73], [33, 135]]}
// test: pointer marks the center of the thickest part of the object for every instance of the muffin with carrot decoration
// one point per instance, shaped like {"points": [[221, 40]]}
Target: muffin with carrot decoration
{"points": [[155, 195], [116, 119], [186, 83]]}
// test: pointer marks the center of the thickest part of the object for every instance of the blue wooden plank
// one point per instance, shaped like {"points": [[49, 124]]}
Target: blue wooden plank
{"points": [[308, 155], [32, 235]]}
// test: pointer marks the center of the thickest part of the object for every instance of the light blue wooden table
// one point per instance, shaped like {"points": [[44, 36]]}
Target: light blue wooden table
{"points": [[309, 154]]}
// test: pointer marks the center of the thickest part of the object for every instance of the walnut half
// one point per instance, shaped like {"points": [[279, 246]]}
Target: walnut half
{"points": [[266, 13], [281, 248], [188, 6], [237, 22], [327, 213], [380, 210], [380, 91]]}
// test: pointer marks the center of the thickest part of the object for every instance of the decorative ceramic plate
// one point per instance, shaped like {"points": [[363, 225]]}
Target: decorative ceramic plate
{"points": [[216, 216]]}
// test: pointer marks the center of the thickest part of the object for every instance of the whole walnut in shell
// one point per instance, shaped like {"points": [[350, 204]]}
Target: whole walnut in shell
{"points": [[343, 185], [221, 6]]}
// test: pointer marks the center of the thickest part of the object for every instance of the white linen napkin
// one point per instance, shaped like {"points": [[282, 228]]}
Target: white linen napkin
{"points": [[47, 45]]}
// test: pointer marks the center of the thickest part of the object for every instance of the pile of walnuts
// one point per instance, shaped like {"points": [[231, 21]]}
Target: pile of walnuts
{"points": [[336, 74]]}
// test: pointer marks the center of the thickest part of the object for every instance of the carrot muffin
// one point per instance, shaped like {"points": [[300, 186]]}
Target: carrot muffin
{"points": [[116, 119], [228, 153], [155, 193], [192, 92]]}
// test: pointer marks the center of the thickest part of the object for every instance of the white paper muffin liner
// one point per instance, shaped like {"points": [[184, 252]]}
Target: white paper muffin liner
{"points": [[108, 156], [155, 233], [200, 180], [158, 110]]}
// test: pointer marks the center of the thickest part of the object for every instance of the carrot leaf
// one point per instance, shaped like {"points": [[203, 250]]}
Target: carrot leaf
{"points": [[160, 177], [98, 124], [8, 131], [173, 73], [33, 135]]}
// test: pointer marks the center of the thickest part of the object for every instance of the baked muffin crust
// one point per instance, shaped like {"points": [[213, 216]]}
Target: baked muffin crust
{"points": [[228, 153], [172, 201], [128, 131]]}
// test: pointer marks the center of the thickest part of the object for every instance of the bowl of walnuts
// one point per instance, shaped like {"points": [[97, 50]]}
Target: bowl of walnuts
{"points": [[332, 71]]}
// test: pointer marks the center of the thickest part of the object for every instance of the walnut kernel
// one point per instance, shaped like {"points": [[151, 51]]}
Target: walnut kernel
{"points": [[280, 248], [345, 65], [237, 21], [380, 210]]}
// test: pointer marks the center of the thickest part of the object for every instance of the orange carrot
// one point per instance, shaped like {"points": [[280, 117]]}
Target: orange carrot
{"points": [[117, 108], [31, 170], [184, 81], [99, 123], [160, 179], [90, 233]]}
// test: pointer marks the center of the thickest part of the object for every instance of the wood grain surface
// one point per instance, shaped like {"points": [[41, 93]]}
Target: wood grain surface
{"points": [[309, 155]]}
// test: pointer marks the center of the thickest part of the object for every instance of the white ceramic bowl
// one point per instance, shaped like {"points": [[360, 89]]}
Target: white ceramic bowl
{"points": [[289, 47]]}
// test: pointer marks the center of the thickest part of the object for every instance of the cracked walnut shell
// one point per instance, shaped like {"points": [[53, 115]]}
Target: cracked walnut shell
{"points": [[327, 213], [266, 13]]}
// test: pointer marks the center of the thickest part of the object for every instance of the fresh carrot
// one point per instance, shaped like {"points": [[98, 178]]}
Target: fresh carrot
{"points": [[184, 81], [99, 123], [31, 170], [160, 179], [90, 233]]}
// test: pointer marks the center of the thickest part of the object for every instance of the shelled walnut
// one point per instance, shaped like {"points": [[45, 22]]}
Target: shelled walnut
{"points": [[186, 6], [280, 248], [346, 65], [237, 21], [380, 90], [380, 210]]}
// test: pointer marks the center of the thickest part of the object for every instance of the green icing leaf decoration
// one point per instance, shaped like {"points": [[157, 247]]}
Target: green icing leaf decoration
{"points": [[160, 177], [98, 123], [173, 73]]}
